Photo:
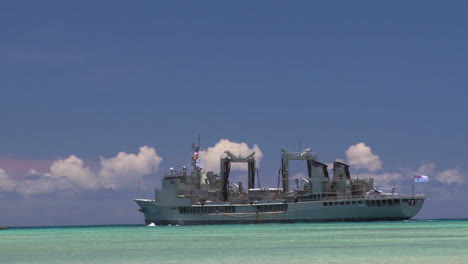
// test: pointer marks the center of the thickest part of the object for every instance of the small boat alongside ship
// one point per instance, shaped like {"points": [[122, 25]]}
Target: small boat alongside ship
{"points": [[199, 197]]}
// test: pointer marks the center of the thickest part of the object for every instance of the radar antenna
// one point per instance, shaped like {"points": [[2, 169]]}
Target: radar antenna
{"points": [[196, 166]]}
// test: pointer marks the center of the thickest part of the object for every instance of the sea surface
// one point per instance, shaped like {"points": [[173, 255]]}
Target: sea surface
{"points": [[417, 241]]}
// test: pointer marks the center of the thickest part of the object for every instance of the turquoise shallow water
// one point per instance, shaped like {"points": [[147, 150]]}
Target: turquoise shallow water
{"points": [[377, 242]]}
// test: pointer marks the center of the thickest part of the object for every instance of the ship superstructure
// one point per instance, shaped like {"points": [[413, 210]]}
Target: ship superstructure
{"points": [[199, 197]]}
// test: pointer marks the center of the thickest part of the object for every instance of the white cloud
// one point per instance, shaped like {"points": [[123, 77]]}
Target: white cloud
{"points": [[210, 158], [74, 170], [450, 176], [381, 179], [6, 183], [43, 183], [427, 168], [360, 156], [447, 176], [127, 168], [71, 174]]}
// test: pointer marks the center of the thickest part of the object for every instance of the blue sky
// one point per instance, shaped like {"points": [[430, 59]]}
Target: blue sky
{"points": [[94, 79]]}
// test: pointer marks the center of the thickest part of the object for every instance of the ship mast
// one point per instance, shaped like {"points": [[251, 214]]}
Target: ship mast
{"points": [[195, 155]]}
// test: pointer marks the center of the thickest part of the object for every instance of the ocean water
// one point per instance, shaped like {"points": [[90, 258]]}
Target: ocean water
{"points": [[424, 241]]}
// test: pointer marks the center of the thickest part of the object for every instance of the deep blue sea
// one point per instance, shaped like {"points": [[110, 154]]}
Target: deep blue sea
{"points": [[416, 241]]}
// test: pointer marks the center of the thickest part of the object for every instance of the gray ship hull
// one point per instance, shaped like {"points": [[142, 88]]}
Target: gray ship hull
{"points": [[390, 208]]}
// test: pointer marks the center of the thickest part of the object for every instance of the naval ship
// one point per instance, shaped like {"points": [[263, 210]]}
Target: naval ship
{"points": [[199, 197]]}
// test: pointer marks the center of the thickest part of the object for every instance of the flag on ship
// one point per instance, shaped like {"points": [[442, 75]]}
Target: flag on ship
{"points": [[421, 178]]}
